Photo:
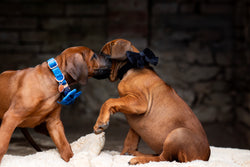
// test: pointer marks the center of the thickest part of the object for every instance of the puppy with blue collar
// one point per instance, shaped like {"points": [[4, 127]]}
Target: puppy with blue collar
{"points": [[34, 96]]}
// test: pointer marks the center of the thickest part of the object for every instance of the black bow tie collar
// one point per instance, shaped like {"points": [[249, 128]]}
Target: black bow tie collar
{"points": [[138, 61]]}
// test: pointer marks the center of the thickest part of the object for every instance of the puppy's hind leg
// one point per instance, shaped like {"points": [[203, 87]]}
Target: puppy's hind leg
{"points": [[169, 153], [181, 145]]}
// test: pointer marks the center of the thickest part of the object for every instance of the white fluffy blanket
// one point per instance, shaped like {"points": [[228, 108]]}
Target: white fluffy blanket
{"points": [[88, 153]]}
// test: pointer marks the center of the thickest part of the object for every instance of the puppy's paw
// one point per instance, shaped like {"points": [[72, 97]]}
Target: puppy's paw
{"points": [[67, 155], [133, 161], [100, 127], [140, 160]]}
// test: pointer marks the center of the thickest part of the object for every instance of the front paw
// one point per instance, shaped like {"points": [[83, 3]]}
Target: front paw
{"points": [[66, 155], [133, 161], [100, 127]]}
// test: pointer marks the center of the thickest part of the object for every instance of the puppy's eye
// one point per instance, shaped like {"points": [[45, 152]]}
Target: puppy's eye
{"points": [[94, 57]]}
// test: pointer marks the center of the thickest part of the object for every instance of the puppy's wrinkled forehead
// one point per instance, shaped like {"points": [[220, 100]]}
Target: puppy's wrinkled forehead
{"points": [[117, 49], [106, 51], [107, 48]]}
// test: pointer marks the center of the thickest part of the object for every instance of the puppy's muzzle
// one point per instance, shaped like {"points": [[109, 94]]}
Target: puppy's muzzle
{"points": [[103, 73]]}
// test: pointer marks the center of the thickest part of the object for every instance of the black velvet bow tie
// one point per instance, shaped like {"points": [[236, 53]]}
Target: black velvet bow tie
{"points": [[139, 60]]}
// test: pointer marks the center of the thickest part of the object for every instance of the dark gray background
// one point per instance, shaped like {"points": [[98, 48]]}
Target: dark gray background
{"points": [[203, 48]]}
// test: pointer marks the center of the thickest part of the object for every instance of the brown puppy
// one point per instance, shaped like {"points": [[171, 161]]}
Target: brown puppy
{"points": [[29, 97], [154, 112]]}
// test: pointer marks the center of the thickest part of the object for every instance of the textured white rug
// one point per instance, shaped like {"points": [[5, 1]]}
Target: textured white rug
{"points": [[88, 153]]}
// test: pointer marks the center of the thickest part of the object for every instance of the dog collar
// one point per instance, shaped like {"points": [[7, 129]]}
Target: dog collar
{"points": [[63, 88], [138, 61], [124, 70]]}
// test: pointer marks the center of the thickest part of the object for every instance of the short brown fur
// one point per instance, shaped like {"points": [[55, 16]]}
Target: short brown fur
{"points": [[154, 112], [29, 97]]}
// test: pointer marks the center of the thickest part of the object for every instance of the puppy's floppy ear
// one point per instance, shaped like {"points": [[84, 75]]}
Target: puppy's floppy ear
{"points": [[119, 49], [77, 68]]}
